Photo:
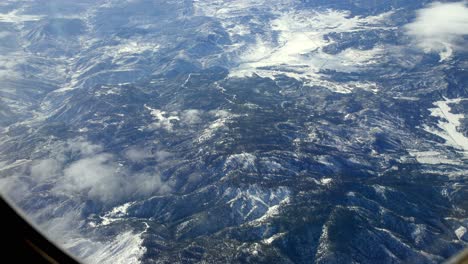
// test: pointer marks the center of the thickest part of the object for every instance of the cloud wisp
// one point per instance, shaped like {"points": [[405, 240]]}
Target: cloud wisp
{"points": [[440, 28], [79, 168]]}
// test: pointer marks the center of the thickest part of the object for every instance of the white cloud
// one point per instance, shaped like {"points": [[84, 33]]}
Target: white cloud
{"points": [[4, 34], [137, 154], [162, 155], [45, 169], [15, 188], [96, 177], [100, 177], [83, 147], [440, 27], [80, 169], [194, 177], [191, 116], [148, 183]]}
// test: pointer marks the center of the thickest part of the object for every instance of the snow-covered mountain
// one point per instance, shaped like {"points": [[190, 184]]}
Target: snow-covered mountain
{"points": [[148, 131]]}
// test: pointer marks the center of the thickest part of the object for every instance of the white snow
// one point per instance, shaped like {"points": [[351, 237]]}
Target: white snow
{"points": [[432, 157], [446, 54], [380, 190], [272, 165], [256, 204], [272, 211], [9, 70], [298, 54], [460, 232], [270, 240], [107, 91], [14, 164], [223, 116], [241, 160], [134, 47], [290, 41], [326, 181], [448, 124], [117, 213], [161, 118], [126, 248], [15, 17]]}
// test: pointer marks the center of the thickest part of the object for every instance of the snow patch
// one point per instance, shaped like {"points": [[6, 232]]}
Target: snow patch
{"points": [[432, 157], [290, 42], [271, 239], [460, 232], [255, 203], [448, 124], [242, 160], [223, 116], [272, 165], [162, 119], [326, 181], [116, 214], [15, 17], [135, 47], [125, 248], [14, 164], [297, 52]]}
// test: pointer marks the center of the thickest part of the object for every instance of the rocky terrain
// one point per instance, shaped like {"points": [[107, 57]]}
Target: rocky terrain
{"points": [[138, 131]]}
